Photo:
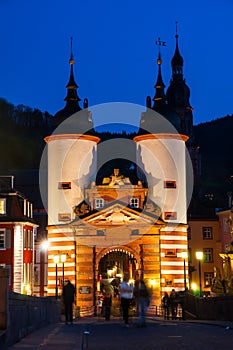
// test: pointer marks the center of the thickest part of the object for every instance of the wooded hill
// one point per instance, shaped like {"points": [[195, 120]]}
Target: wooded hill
{"points": [[23, 130]]}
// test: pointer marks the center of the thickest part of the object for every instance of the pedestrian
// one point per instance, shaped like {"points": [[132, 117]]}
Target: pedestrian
{"points": [[68, 294], [166, 306], [107, 303], [182, 296], [174, 303], [142, 298], [126, 295]]}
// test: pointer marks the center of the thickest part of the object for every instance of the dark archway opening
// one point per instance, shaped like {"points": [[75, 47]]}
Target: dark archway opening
{"points": [[112, 267]]}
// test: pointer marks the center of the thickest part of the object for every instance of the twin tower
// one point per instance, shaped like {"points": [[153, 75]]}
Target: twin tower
{"points": [[161, 158], [79, 206]]}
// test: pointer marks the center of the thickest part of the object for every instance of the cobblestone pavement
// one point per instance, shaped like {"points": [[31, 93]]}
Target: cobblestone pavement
{"points": [[98, 334]]}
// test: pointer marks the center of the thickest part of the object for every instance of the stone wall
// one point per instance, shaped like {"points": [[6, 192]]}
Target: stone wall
{"points": [[218, 308], [22, 314]]}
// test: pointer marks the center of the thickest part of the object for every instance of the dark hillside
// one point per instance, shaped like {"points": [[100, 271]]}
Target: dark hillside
{"points": [[22, 132], [216, 145]]}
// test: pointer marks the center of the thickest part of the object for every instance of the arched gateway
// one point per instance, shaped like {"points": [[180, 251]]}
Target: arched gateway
{"points": [[87, 220], [110, 237]]}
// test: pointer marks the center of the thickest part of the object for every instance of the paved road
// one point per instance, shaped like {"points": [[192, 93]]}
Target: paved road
{"points": [[98, 334]]}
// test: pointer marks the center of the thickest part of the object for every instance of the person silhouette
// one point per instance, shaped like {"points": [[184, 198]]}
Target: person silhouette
{"points": [[126, 295], [68, 294]]}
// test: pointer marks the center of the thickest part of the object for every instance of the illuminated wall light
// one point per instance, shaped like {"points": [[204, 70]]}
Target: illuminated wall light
{"points": [[44, 245], [152, 282], [194, 286]]}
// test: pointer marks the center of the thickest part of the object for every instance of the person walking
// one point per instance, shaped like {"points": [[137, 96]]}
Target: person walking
{"points": [[68, 294], [107, 303], [142, 298], [166, 306], [174, 303], [126, 295]]}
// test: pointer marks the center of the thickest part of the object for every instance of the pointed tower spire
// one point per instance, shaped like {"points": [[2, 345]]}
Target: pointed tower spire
{"points": [[177, 60], [72, 96], [159, 98]]}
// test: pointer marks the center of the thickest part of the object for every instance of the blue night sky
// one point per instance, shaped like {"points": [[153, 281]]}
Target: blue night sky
{"points": [[115, 52]]}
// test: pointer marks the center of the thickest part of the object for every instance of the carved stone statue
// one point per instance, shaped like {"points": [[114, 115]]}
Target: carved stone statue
{"points": [[217, 285]]}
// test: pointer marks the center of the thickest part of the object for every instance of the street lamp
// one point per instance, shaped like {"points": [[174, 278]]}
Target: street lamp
{"points": [[184, 256], [63, 260], [44, 245], [56, 261], [199, 256]]}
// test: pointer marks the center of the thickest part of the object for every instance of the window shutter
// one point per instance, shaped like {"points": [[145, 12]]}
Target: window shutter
{"points": [[8, 238]]}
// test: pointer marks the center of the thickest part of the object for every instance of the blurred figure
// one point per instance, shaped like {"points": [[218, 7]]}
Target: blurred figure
{"points": [[174, 303], [142, 299], [181, 301], [166, 306], [68, 294], [107, 303], [126, 295]]}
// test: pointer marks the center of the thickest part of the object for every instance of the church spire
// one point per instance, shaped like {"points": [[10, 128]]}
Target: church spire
{"points": [[159, 98], [72, 96], [177, 60]]}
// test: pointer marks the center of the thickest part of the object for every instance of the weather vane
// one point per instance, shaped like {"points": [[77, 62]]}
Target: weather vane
{"points": [[160, 43]]}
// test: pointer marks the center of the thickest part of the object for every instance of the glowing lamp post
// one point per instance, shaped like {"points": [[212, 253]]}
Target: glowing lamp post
{"points": [[63, 260], [184, 256], [199, 256], [44, 245], [56, 261]]}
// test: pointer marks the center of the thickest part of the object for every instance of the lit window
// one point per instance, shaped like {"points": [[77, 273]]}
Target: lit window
{"points": [[25, 207], [208, 278], [208, 254], [2, 205], [134, 202], [207, 232], [99, 203], [170, 184], [2, 239]]}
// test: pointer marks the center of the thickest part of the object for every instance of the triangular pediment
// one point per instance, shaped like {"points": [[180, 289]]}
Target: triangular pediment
{"points": [[117, 214]]}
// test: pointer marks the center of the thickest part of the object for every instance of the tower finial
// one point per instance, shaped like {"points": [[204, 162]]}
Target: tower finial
{"points": [[176, 30], [160, 43], [71, 51]]}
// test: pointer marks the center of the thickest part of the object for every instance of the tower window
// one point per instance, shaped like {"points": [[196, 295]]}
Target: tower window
{"points": [[169, 184], [100, 233], [134, 202], [170, 253], [99, 203], [170, 215], [64, 217], [64, 185]]}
